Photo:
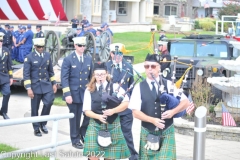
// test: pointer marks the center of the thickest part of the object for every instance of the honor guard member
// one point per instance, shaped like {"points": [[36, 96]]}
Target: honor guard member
{"points": [[162, 35], [91, 29], [39, 33], [6, 79], [40, 82], [145, 105], [166, 58], [20, 45], [7, 39], [97, 40], [84, 22], [75, 22], [76, 72], [126, 117]]}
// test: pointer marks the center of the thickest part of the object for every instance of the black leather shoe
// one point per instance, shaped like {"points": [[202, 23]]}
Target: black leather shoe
{"points": [[82, 139], [78, 145], [37, 133], [44, 129], [5, 116]]}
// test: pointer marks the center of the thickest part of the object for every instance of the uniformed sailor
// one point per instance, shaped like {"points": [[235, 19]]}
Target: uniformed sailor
{"points": [[21, 45], [91, 29], [75, 74], [120, 68], [39, 33], [75, 22], [84, 22], [5, 76], [98, 43], [145, 105], [40, 82], [166, 58], [7, 39]]}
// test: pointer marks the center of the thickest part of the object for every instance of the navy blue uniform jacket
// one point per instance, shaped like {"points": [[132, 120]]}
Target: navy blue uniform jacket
{"points": [[74, 78], [5, 66], [38, 73]]}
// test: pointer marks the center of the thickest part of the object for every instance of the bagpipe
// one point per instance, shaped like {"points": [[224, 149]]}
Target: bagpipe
{"points": [[167, 100]]}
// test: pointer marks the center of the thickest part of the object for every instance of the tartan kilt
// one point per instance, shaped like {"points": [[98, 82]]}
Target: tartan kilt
{"points": [[117, 150], [167, 151]]}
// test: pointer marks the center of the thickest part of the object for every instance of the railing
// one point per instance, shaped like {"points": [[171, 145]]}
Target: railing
{"points": [[53, 143]]}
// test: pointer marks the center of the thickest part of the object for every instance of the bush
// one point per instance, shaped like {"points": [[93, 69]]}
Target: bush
{"points": [[230, 9], [196, 25], [158, 22], [207, 26]]}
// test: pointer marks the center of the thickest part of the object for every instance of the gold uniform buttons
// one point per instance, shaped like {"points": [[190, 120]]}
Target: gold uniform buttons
{"points": [[80, 72], [85, 72], [80, 79], [39, 73], [155, 107], [80, 85], [155, 112]]}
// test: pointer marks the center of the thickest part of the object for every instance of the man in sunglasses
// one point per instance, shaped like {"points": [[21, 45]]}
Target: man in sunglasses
{"points": [[166, 58], [146, 106], [5, 77], [75, 74], [39, 80], [119, 70]]}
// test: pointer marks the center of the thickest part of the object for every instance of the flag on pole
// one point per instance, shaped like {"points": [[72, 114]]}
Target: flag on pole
{"points": [[227, 119], [191, 107], [58, 20]]}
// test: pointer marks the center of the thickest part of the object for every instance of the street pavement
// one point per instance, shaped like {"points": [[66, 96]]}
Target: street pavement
{"points": [[21, 136]]}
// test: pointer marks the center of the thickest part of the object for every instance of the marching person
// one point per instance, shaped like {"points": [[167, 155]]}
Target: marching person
{"points": [[166, 58], [7, 39], [145, 105], [40, 82], [103, 119], [39, 33], [75, 74], [126, 117], [6, 79]]}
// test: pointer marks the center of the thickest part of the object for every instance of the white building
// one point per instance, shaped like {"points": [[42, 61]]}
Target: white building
{"points": [[125, 11]]}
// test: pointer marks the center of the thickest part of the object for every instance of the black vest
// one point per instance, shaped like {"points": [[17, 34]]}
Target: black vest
{"points": [[96, 107], [150, 106]]}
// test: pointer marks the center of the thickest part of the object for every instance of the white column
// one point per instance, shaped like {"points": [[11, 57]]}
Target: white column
{"points": [[142, 11], [105, 11], [87, 9], [135, 12]]}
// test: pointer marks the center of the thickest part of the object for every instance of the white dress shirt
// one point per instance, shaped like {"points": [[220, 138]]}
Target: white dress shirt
{"points": [[40, 55], [78, 56], [136, 102], [87, 95]]}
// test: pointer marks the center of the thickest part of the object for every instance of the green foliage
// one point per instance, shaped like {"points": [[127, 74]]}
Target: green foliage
{"points": [[207, 26], [230, 9], [158, 22], [196, 25], [59, 102]]}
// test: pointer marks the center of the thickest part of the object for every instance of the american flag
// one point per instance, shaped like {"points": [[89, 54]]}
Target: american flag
{"points": [[227, 119], [58, 20], [191, 107]]}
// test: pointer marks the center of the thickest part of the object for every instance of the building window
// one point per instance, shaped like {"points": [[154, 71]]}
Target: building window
{"points": [[170, 10], [122, 8], [156, 10], [96, 8]]}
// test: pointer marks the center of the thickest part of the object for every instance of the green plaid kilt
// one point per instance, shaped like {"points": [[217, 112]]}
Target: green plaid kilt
{"points": [[117, 150], [167, 151]]}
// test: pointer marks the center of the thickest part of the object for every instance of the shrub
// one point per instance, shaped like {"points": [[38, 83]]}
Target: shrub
{"points": [[196, 25], [207, 26], [158, 22]]}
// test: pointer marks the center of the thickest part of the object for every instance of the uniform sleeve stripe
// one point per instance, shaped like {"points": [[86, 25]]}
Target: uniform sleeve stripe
{"points": [[52, 78], [66, 89], [10, 72], [26, 82]]}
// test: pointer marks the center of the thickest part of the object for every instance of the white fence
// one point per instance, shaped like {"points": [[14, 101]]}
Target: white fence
{"points": [[54, 143]]}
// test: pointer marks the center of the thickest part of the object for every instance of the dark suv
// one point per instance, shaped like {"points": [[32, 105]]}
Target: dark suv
{"points": [[205, 50]]}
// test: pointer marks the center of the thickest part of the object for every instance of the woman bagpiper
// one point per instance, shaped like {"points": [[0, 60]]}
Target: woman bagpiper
{"points": [[104, 137]]}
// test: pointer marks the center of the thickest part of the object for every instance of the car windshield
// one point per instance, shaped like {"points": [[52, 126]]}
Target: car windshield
{"points": [[211, 49], [182, 49]]}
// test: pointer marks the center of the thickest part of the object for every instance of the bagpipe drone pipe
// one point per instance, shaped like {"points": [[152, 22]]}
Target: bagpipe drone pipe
{"points": [[168, 100]]}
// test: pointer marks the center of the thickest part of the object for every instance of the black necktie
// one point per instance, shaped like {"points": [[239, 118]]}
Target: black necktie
{"points": [[81, 62], [154, 93]]}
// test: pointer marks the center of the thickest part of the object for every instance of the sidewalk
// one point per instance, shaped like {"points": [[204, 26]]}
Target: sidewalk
{"points": [[21, 136]]}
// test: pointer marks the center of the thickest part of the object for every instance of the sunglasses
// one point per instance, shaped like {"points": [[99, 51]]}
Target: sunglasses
{"points": [[80, 45], [152, 66], [100, 75], [1, 40], [40, 46]]}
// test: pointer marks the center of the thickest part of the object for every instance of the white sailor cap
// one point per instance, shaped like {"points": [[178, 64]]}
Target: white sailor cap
{"points": [[39, 41], [120, 45], [80, 40]]}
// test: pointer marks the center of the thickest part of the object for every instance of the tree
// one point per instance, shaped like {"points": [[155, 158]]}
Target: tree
{"points": [[229, 9]]}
